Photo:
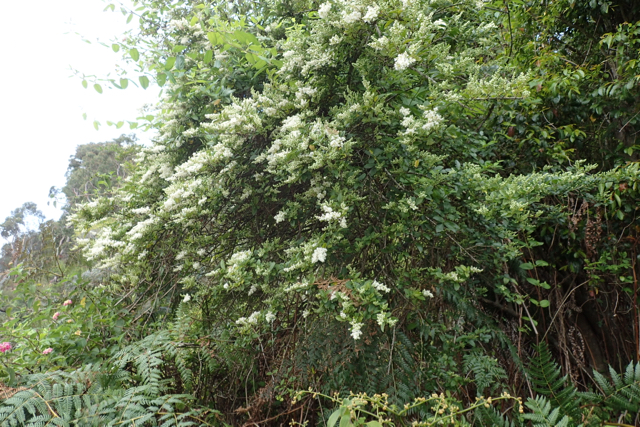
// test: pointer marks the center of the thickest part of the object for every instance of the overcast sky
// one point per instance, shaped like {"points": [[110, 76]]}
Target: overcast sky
{"points": [[41, 106]]}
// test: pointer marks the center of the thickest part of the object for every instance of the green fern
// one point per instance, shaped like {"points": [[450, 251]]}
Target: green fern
{"points": [[129, 390], [620, 396], [543, 415], [547, 380], [486, 371], [492, 417]]}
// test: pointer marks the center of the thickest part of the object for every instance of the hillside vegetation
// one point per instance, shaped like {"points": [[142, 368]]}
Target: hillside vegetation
{"points": [[358, 212]]}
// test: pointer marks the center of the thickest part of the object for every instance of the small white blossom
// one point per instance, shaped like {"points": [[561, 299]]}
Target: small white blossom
{"points": [[427, 293], [380, 287], [186, 298], [280, 216], [372, 13], [356, 331], [323, 12], [319, 255], [403, 61], [270, 317], [350, 18]]}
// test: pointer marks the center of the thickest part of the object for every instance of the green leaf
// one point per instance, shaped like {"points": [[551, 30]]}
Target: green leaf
{"points": [[135, 55], [169, 64], [180, 62], [84, 116], [161, 79], [129, 18], [208, 56], [526, 266], [345, 420], [544, 303], [215, 39], [334, 417], [124, 83], [373, 424], [12, 377], [96, 124], [144, 81], [98, 88], [246, 38], [115, 47], [178, 48], [85, 84]]}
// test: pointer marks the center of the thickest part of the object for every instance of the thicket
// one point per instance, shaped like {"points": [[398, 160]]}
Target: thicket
{"points": [[364, 212]]}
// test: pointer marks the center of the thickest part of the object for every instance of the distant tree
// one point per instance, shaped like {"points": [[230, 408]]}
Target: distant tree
{"points": [[95, 167], [16, 223], [45, 248]]}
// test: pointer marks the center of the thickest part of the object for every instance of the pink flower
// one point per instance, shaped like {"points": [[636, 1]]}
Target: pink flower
{"points": [[5, 346], [47, 351], [67, 302], [56, 315]]}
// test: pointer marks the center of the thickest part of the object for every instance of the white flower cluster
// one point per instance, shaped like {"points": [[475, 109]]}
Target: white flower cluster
{"points": [[356, 330], [419, 127], [324, 10], [270, 317], [247, 321], [319, 255], [372, 13], [380, 287], [329, 215], [280, 216], [383, 318], [403, 61]]}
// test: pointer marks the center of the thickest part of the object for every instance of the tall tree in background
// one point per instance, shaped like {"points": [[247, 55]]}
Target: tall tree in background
{"points": [[96, 169], [45, 248]]}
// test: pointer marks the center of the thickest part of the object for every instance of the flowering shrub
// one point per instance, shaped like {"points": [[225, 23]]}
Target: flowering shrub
{"points": [[327, 202]]}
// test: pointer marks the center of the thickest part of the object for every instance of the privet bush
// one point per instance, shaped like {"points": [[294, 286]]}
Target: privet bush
{"points": [[328, 203]]}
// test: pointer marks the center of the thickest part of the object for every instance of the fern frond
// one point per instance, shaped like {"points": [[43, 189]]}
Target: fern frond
{"points": [[620, 395], [543, 415], [547, 380]]}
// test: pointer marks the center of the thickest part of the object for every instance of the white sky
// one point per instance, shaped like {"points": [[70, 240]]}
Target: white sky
{"points": [[41, 106]]}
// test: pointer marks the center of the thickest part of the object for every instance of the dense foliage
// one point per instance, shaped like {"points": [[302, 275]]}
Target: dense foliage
{"points": [[404, 207]]}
